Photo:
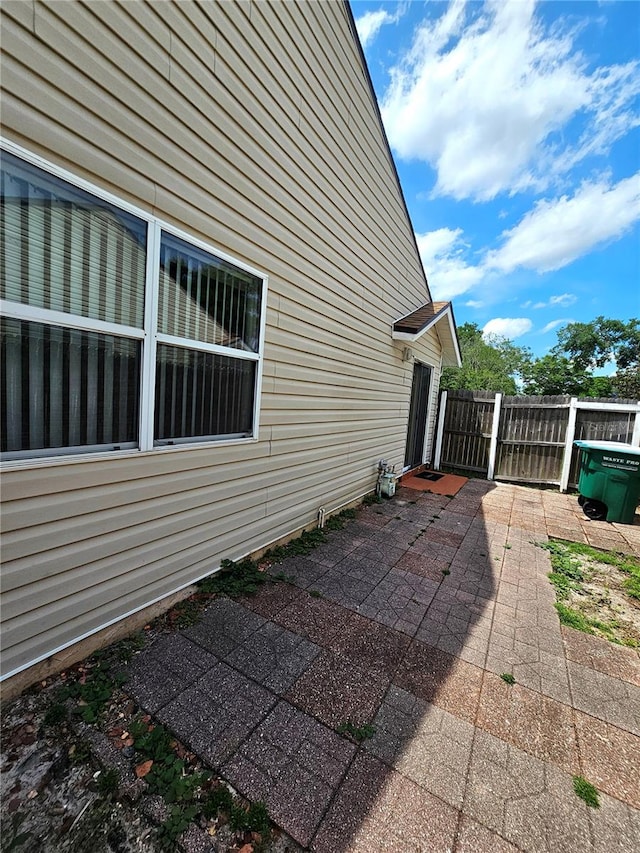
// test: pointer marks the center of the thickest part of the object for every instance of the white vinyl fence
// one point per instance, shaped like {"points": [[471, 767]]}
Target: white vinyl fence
{"points": [[527, 439]]}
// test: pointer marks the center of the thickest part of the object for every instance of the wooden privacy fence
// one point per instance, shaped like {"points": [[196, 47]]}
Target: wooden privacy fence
{"points": [[527, 439]]}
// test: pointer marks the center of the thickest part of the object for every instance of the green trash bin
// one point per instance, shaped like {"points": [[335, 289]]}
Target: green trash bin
{"points": [[609, 483]]}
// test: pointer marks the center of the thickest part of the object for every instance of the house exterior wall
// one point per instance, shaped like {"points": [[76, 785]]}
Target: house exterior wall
{"points": [[250, 126]]}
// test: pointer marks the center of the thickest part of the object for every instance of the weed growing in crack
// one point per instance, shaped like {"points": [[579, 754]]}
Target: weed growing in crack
{"points": [[220, 799], [290, 579], [234, 578], [252, 819], [446, 572], [337, 522], [586, 791], [126, 648], [179, 819], [315, 593], [93, 689], [107, 782], [56, 714], [167, 774], [508, 678], [358, 733]]}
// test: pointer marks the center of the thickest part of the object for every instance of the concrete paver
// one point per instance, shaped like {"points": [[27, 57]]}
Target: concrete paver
{"points": [[617, 661], [405, 620], [524, 799], [293, 764], [529, 720], [424, 743], [605, 697], [610, 758], [336, 691]]}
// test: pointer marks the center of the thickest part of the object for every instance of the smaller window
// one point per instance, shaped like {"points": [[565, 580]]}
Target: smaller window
{"points": [[66, 390], [66, 250], [203, 298], [202, 395], [205, 305]]}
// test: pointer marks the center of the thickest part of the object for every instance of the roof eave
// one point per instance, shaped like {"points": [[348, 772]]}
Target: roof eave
{"points": [[450, 349]]}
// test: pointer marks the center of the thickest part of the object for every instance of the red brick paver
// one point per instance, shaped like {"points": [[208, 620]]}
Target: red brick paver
{"points": [[401, 625]]}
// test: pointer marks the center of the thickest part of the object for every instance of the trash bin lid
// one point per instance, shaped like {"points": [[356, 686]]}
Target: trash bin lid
{"points": [[612, 446]]}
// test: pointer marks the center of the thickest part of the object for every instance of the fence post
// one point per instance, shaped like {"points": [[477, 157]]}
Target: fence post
{"points": [[635, 438], [493, 444], [437, 456], [568, 444]]}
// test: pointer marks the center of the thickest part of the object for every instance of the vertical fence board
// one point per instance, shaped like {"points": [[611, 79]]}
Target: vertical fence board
{"points": [[600, 426], [531, 433]]}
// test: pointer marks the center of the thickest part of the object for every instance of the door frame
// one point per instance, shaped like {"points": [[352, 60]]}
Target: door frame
{"points": [[413, 414]]}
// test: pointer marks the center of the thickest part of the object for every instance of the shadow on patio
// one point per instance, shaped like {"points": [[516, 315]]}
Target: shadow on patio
{"points": [[400, 627]]}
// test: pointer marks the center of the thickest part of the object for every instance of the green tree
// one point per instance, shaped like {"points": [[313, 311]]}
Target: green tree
{"points": [[600, 342], [487, 365], [594, 344], [557, 374]]}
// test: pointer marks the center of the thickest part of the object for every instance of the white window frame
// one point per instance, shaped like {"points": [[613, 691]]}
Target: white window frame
{"points": [[149, 335]]}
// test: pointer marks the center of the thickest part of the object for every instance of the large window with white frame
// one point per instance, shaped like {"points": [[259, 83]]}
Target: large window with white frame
{"points": [[117, 332]]}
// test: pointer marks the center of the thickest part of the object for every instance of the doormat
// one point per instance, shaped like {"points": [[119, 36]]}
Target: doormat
{"points": [[430, 475], [444, 484]]}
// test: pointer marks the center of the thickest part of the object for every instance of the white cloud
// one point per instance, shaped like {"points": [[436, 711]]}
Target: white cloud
{"points": [[554, 324], [556, 232], [369, 24], [485, 95], [507, 327], [474, 303], [563, 300], [442, 253]]}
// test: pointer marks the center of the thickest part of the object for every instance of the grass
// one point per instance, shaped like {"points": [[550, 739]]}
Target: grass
{"points": [[508, 678], [586, 791], [108, 782], [358, 733], [566, 558], [574, 565]]}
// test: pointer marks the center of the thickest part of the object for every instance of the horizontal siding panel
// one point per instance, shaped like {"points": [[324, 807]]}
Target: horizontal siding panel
{"points": [[253, 128], [20, 11], [169, 501], [55, 479]]}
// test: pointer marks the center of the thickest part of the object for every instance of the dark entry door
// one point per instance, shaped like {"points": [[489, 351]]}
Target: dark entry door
{"points": [[418, 411]]}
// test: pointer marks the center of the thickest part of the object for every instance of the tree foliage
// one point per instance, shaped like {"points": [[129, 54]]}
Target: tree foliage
{"points": [[487, 365], [496, 364], [595, 344], [557, 374]]}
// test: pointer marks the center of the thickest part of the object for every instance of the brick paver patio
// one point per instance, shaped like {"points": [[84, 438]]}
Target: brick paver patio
{"points": [[405, 620]]}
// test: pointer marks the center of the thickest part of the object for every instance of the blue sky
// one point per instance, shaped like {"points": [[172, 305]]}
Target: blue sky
{"points": [[515, 127]]}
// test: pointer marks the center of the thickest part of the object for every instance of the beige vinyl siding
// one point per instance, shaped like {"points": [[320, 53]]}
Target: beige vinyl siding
{"points": [[250, 126]]}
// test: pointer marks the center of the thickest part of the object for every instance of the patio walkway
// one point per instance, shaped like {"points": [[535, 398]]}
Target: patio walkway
{"points": [[405, 620]]}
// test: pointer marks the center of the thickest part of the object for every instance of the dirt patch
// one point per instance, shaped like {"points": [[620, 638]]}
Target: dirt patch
{"points": [[606, 599], [72, 786], [597, 591]]}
